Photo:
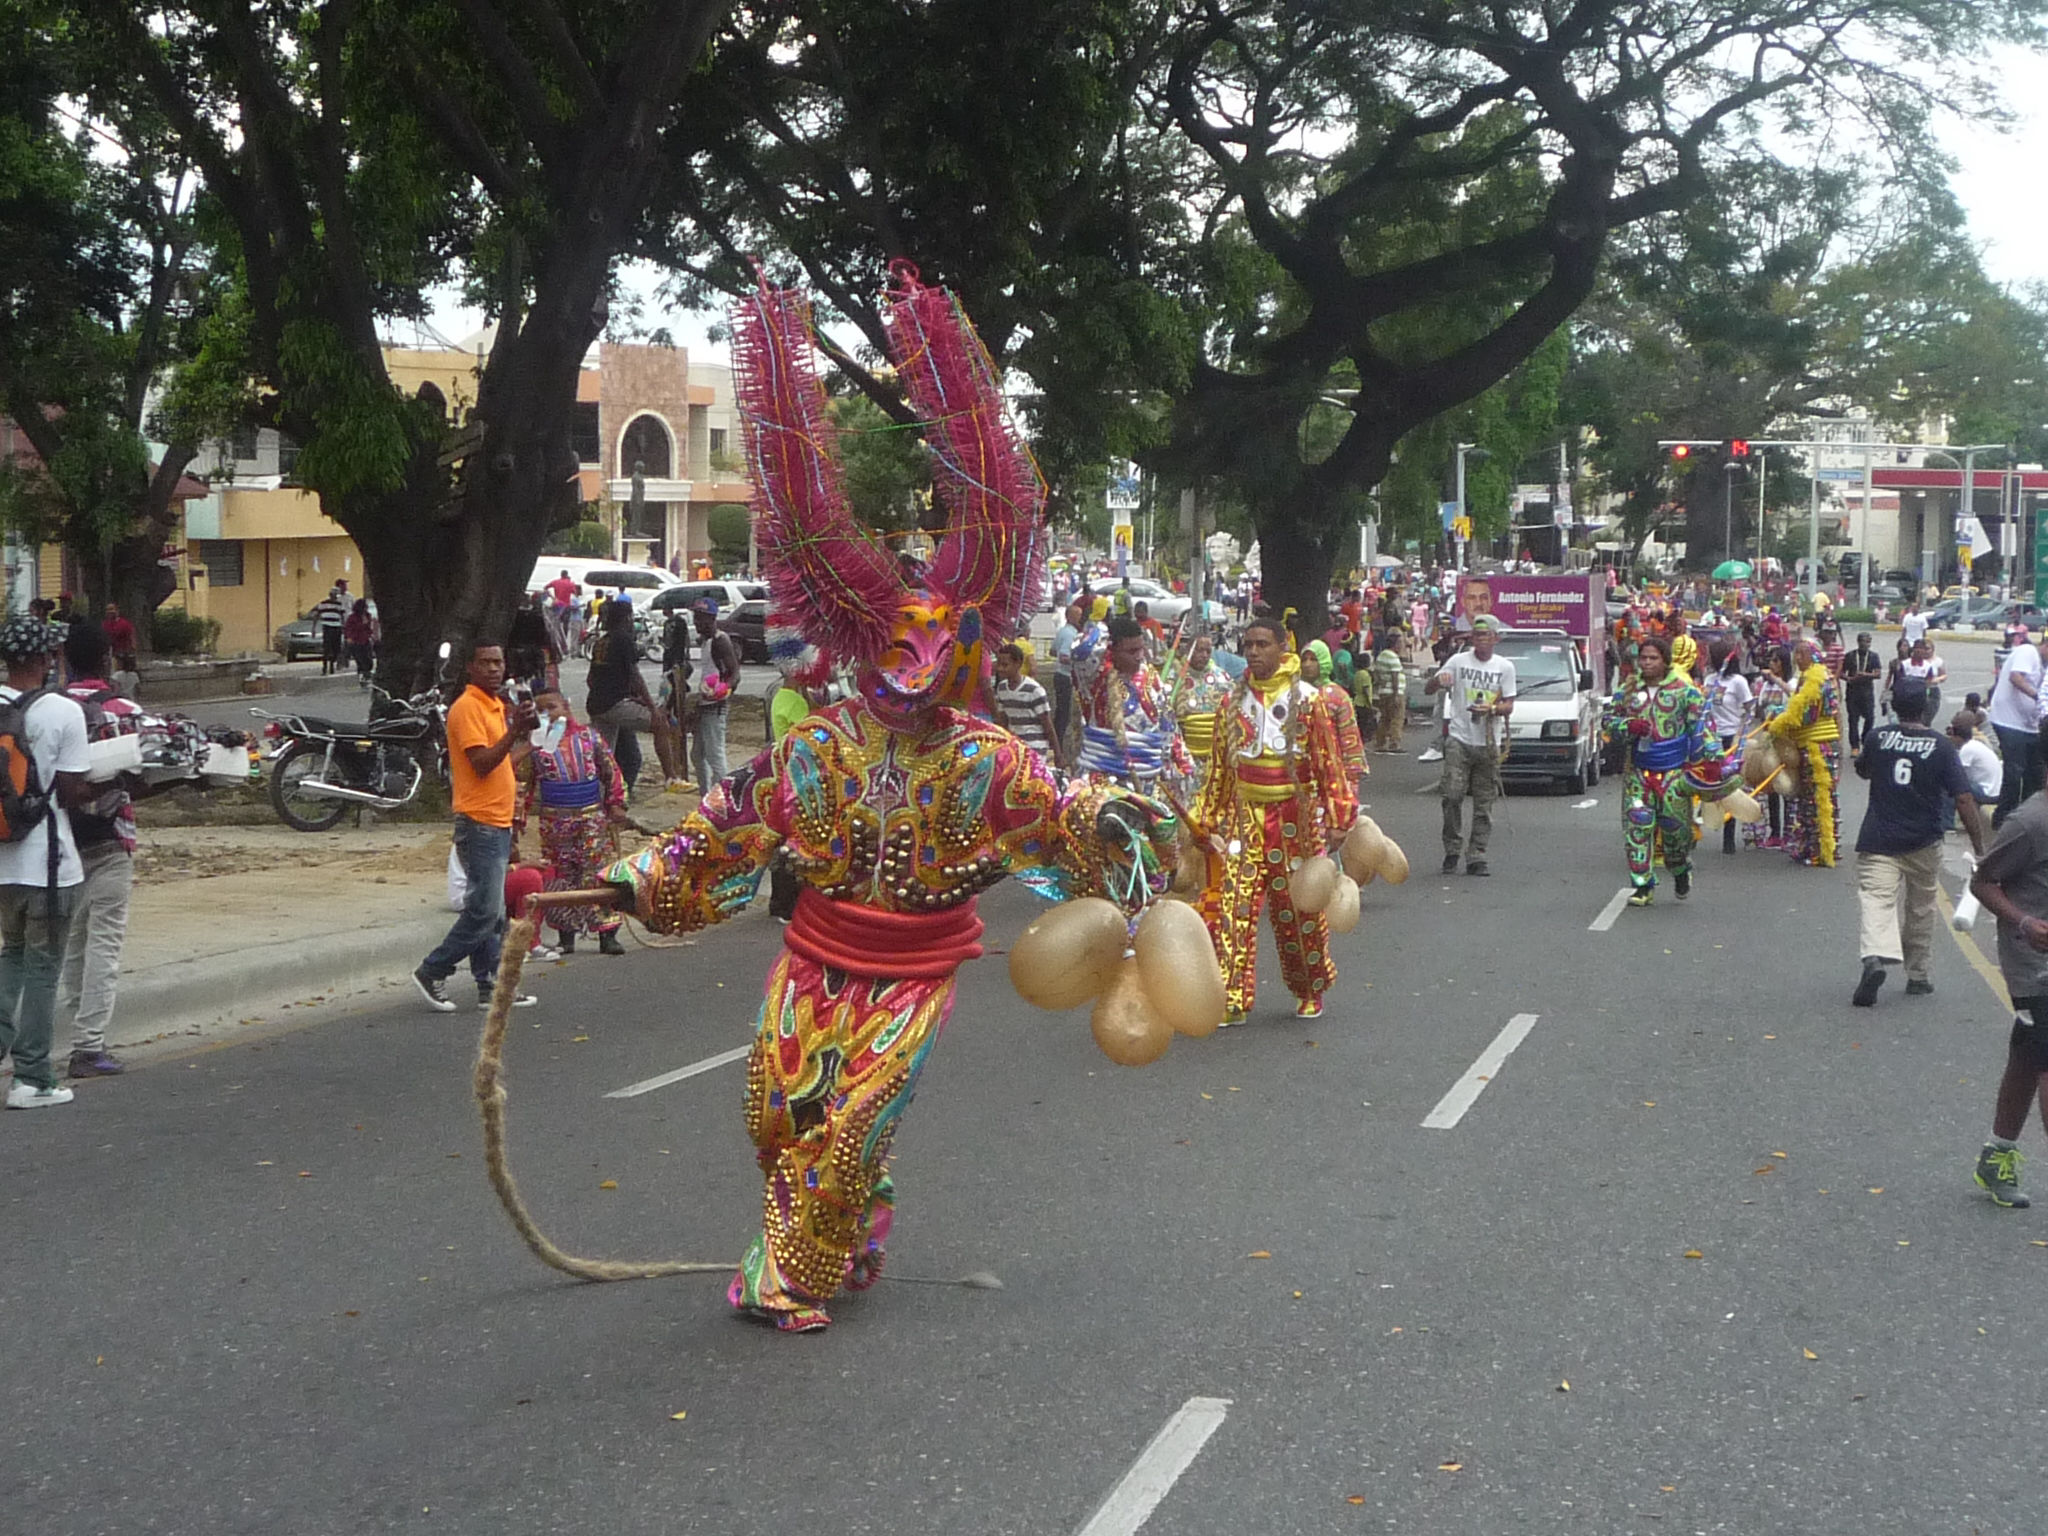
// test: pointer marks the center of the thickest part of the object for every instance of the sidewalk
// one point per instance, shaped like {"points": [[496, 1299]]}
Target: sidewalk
{"points": [[232, 923]]}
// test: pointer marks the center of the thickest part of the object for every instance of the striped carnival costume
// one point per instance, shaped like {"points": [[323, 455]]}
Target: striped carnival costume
{"points": [[1277, 791]]}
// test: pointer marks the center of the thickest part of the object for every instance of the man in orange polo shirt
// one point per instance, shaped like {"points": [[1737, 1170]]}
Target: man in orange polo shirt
{"points": [[483, 746]]}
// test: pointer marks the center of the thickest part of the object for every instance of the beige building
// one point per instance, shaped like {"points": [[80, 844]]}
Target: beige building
{"points": [[259, 552]]}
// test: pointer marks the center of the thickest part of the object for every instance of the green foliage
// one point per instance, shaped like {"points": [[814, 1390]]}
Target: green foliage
{"points": [[174, 632], [728, 526], [888, 473], [586, 539], [1856, 615]]}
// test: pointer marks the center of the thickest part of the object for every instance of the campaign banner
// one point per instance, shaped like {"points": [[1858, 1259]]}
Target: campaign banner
{"points": [[1575, 604]]}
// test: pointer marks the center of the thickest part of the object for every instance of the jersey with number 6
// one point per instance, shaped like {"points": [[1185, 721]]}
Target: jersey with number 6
{"points": [[1913, 772]]}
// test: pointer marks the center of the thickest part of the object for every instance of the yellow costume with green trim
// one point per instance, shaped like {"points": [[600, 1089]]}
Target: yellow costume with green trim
{"points": [[1810, 722]]}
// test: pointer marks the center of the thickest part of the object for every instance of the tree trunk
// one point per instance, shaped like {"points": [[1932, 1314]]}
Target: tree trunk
{"points": [[1294, 567]]}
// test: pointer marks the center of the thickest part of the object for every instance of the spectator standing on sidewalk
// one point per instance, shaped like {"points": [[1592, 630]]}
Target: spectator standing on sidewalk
{"points": [[120, 639], [331, 614], [359, 634], [485, 743], [38, 882], [1479, 694], [2012, 883], [2016, 721], [1063, 640], [1913, 773], [718, 673], [104, 830]]}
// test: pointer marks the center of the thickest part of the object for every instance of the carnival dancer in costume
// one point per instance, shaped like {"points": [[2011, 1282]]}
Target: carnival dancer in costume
{"points": [[895, 807], [1128, 734], [1277, 791], [1318, 670], [1197, 691], [1672, 758], [1810, 725], [580, 796]]}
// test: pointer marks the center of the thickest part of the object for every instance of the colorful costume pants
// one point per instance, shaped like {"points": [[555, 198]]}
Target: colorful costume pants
{"points": [[834, 1064], [1816, 811], [1273, 836], [1654, 802], [580, 846]]}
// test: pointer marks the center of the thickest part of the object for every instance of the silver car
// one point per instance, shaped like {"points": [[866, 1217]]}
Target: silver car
{"points": [[1167, 607]]}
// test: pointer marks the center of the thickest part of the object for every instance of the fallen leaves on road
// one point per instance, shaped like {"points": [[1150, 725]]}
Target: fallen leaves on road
{"points": [[1649, 1103], [1450, 1466], [1767, 1168], [1694, 1253], [1258, 1253], [609, 1184], [305, 1173], [2039, 1242], [1208, 1095], [1809, 1354], [679, 1417], [1781, 1154], [1877, 1189], [1564, 1386], [1354, 1498]]}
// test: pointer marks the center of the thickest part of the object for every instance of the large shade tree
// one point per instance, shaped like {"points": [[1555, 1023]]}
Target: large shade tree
{"points": [[364, 151]]}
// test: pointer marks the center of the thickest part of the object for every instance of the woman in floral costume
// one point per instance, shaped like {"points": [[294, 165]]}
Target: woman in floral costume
{"points": [[895, 807], [1672, 761], [579, 794]]}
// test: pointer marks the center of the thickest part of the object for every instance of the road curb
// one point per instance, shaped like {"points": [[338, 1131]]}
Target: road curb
{"points": [[191, 997]]}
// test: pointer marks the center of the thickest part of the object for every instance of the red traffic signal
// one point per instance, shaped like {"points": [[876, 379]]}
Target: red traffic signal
{"points": [[1682, 451], [1738, 448]]}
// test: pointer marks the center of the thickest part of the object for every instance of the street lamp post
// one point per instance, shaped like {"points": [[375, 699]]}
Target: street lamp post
{"points": [[1966, 500], [1729, 471]]}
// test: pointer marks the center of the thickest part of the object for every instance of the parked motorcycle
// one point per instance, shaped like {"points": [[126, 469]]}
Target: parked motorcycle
{"points": [[324, 767]]}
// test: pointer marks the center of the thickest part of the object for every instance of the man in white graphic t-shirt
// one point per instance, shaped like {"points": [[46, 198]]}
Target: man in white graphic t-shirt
{"points": [[1479, 689]]}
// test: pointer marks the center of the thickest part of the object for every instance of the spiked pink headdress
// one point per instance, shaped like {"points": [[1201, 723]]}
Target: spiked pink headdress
{"points": [[834, 579]]}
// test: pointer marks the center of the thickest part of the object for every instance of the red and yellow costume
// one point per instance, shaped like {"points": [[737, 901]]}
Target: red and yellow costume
{"points": [[896, 806], [1809, 722], [1278, 790]]}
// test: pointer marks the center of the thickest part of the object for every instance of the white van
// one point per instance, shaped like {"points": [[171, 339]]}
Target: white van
{"points": [[642, 581]]}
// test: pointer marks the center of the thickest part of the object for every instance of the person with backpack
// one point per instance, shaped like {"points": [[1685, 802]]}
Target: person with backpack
{"points": [[105, 833], [43, 764]]}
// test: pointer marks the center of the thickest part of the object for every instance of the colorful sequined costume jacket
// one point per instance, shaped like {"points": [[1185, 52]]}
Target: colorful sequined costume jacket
{"points": [[1810, 723], [1277, 790], [1127, 728], [892, 837], [1669, 765]]}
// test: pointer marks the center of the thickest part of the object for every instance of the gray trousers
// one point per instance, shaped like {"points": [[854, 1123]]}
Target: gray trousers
{"points": [[31, 950], [92, 946], [1473, 771]]}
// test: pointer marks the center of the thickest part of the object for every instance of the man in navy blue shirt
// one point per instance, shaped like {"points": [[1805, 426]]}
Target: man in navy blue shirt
{"points": [[1913, 772]]}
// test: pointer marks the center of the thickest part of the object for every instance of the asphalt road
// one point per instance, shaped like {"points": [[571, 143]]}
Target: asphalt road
{"points": [[264, 1287]]}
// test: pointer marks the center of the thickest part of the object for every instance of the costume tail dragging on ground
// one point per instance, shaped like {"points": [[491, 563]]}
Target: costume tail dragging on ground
{"points": [[895, 807]]}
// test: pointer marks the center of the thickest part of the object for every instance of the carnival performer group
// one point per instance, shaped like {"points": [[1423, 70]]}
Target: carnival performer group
{"points": [[1674, 760], [895, 807], [1277, 790]]}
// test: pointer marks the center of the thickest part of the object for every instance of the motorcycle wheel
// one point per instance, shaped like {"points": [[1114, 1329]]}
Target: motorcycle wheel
{"points": [[298, 812]]}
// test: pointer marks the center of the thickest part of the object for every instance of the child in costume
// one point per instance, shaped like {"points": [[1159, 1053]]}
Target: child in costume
{"points": [[895, 807], [579, 795]]}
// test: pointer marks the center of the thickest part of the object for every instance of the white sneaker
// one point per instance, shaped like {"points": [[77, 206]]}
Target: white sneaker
{"points": [[29, 1096], [1433, 755], [521, 1000]]}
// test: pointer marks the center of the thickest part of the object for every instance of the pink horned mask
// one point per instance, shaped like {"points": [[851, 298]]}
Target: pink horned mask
{"points": [[915, 644]]}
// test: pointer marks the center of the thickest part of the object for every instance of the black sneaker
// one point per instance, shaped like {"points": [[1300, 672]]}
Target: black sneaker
{"points": [[1450, 863], [1998, 1175], [519, 999], [1866, 989], [93, 1064], [608, 944], [1476, 867], [1681, 883], [1919, 987], [435, 990]]}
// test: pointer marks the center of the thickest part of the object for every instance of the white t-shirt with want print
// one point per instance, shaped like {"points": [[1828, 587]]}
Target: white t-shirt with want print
{"points": [[1476, 682]]}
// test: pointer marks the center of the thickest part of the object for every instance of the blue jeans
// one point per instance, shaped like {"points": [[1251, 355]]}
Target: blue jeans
{"points": [[479, 930], [31, 955]]}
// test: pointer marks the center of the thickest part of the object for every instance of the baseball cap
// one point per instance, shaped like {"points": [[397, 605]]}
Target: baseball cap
{"points": [[1488, 622]]}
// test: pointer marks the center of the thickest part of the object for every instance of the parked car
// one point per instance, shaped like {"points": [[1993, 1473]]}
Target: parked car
{"points": [[748, 626], [726, 594], [1167, 607], [297, 639], [1887, 592], [612, 575]]}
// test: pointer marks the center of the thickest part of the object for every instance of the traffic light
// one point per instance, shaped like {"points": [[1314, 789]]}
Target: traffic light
{"points": [[1681, 452], [1738, 448]]}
